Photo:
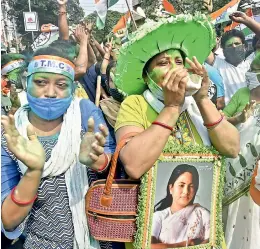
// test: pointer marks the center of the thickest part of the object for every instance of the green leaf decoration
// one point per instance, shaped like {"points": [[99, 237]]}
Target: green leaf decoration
{"points": [[231, 170], [253, 149], [242, 161]]}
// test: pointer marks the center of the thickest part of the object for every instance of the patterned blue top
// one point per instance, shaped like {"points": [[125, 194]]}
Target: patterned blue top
{"points": [[49, 224]]}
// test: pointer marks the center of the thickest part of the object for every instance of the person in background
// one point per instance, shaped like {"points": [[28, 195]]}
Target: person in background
{"points": [[13, 71], [243, 111], [217, 80], [235, 65], [255, 185]]}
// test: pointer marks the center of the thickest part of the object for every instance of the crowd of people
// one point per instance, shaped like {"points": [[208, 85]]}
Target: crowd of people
{"points": [[66, 108]]}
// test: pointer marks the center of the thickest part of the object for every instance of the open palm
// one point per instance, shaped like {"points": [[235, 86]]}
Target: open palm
{"points": [[30, 152], [92, 145]]}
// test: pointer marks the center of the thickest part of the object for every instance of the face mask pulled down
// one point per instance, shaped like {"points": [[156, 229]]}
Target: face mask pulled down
{"points": [[235, 55], [193, 85]]}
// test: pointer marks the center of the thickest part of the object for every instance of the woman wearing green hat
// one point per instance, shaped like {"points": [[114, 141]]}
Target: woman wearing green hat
{"points": [[152, 68]]}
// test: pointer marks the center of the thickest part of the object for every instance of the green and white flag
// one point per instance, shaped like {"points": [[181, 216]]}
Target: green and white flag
{"points": [[101, 7]]}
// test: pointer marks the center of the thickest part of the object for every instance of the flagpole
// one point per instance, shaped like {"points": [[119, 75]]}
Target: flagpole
{"points": [[131, 14]]}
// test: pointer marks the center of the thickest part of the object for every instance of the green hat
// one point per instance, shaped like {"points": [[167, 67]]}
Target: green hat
{"points": [[193, 35]]}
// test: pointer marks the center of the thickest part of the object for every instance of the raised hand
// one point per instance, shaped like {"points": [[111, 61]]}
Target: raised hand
{"points": [[197, 68], [173, 86], [30, 152], [239, 17], [62, 2], [208, 5], [81, 35], [109, 46], [247, 112], [92, 145]]}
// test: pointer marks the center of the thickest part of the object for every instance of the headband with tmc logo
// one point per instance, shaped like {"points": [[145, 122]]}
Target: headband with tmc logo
{"points": [[51, 64], [12, 65]]}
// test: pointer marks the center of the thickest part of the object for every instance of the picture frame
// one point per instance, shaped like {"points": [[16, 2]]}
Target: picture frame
{"points": [[166, 217]]}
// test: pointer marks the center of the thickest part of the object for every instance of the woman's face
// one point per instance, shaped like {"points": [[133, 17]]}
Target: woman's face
{"points": [[164, 62], [182, 190], [50, 85]]}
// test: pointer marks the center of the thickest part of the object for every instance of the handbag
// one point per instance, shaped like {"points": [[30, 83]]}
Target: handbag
{"points": [[111, 204]]}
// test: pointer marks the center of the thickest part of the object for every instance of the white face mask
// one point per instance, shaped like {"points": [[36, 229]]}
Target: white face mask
{"points": [[251, 80], [193, 85]]}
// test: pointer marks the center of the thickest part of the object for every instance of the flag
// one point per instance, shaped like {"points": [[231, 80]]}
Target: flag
{"points": [[231, 26], [222, 15], [49, 33], [101, 7], [122, 23], [168, 7]]}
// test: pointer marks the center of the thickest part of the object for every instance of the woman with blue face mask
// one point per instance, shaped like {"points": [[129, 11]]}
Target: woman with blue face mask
{"points": [[51, 151], [243, 111]]}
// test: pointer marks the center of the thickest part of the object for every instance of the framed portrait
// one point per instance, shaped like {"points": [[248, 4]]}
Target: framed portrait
{"points": [[180, 203]]}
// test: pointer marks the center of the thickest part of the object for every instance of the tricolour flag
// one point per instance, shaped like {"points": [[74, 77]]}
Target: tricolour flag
{"points": [[122, 23], [233, 25], [168, 7], [101, 7], [222, 15]]}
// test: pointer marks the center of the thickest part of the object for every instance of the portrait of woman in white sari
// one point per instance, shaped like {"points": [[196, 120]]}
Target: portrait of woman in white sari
{"points": [[177, 220]]}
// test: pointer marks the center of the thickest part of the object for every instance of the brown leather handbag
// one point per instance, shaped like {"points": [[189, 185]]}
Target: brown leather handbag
{"points": [[111, 204]]}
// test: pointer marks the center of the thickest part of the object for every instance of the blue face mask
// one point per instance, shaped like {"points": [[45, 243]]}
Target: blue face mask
{"points": [[49, 108]]}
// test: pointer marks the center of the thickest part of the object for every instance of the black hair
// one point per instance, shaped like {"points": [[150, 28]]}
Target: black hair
{"points": [[111, 64], [254, 41], [232, 33], [6, 58], [147, 64], [59, 48], [176, 173]]}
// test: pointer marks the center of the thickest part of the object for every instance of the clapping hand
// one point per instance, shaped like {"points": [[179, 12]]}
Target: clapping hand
{"points": [[92, 144], [80, 34], [30, 152]]}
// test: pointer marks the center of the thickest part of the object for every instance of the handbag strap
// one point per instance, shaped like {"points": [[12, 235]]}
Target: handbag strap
{"points": [[106, 198]]}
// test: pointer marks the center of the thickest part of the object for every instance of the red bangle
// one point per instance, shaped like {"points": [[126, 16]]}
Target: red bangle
{"points": [[215, 123], [163, 125], [103, 168], [20, 202]]}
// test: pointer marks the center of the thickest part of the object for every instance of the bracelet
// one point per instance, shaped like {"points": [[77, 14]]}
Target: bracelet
{"points": [[20, 202], [62, 12], [163, 125], [106, 59], [104, 167], [212, 125]]}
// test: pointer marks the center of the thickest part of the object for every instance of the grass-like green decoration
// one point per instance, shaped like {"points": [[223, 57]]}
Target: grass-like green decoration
{"points": [[193, 35], [192, 149], [146, 202]]}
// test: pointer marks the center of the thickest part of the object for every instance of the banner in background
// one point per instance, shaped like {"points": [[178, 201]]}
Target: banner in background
{"points": [[31, 21]]}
